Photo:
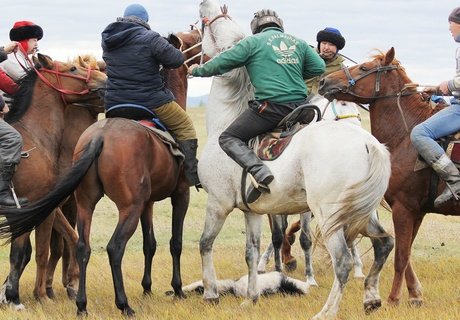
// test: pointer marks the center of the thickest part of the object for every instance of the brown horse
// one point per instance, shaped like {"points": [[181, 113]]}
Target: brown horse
{"points": [[384, 84], [77, 119], [38, 114]]}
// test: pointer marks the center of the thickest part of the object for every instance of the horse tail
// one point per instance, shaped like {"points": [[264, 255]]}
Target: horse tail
{"points": [[362, 199], [18, 221]]}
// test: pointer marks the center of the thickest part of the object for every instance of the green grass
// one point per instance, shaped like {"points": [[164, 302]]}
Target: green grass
{"points": [[436, 257]]}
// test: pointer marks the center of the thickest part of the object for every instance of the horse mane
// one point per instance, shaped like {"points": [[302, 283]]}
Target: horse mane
{"points": [[22, 98]]}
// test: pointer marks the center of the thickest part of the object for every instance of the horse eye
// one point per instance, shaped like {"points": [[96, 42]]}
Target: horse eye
{"points": [[363, 68], [73, 69]]}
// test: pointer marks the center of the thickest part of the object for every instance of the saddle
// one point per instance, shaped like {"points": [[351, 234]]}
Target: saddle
{"points": [[147, 118], [270, 145]]}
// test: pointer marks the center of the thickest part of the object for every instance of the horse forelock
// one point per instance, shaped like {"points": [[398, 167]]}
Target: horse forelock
{"points": [[22, 98]]}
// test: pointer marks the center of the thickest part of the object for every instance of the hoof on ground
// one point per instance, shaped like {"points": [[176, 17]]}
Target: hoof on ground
{"points": [[247, 303], [82, 313], [212, 301], [359, 275], [290, 265], [372, 305], [50, 293], [416, 302], [128, 312], [17, 306], [71, 293]]}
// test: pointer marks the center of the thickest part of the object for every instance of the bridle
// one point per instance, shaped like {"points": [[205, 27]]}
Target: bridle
{"points": [[206, 22], [186, 62]]}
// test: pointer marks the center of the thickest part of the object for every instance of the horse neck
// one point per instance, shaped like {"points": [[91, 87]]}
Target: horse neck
{"points": [[176, 81], [43, 123], [228, 98], [387, 122]]}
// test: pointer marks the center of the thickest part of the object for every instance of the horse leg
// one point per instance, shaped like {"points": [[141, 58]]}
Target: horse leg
{"points": [[215, 219], [127, 224], [71, 272], [265, 257], [56, 249], [42, 245], [357, 263], [289, 262], [149, 247], [253, 230], [404, 223], [413, 284], [306, 244], [342, 263], [20, 254], [279, 224], [382, 244], [180, 200]]}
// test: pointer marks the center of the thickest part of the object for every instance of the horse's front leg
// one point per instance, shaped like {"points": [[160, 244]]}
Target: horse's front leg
{"points": [[382, 244], [215, 219], [306, 244], [253, 231], [180, 201], [279, 225], [149, 247], [342, 263], [42, 245]]}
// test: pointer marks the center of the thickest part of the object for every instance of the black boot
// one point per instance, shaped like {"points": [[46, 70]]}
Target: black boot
{"points": [[189, 148], [450, 174], [6, 195], [247, 159]]}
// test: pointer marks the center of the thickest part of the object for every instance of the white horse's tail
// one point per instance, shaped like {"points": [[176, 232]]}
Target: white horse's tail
{"points": [[363, 198]]}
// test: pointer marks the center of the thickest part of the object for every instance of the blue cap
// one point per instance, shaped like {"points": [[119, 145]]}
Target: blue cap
{"points": [[136, 10]]}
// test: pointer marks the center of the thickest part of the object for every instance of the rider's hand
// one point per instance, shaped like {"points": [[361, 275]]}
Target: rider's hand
{"points": [[11, 47], [190, 69], [444, 89], [5, 109], [429, 91]]}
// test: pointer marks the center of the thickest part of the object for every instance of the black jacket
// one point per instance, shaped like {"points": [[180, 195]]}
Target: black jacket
{"points": [[133, 54]]}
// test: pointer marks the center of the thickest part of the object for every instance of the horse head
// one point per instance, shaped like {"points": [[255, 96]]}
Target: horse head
{"points": [[215, 21], [381, 77]]}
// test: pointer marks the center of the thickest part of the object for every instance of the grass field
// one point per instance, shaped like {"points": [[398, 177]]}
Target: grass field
{"points": [[436, 256]]}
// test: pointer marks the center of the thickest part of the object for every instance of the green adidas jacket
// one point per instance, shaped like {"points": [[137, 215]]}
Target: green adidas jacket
{"points": [[277, 64]]}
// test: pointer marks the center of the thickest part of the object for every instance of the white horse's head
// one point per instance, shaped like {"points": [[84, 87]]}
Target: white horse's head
{"points": [[221, 32]]}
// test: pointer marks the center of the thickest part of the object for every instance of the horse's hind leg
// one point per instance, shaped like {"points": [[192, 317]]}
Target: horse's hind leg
{"points": [[264, 258], [149, 246], [56, 249], [357, 263], [342, 262], [382, 244], [180, 200], [20, 254], [289, 262], [306, 244]]}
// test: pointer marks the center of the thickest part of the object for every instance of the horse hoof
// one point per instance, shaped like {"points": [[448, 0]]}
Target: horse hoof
{"points": [[291, 239], [372, 305], [169, 293], [359, 275], [17, 307], [82, 313], [311, 282], [212, 301], [50, 293], [180, 295], [247, 303], [71, 293], [290, 265], [416, 302], [128, 312]]}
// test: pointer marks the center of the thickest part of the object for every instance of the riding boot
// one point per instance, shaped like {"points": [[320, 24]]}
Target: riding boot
{"points": [[6, 196], [448, 172], [247, 159], [189, 148]]}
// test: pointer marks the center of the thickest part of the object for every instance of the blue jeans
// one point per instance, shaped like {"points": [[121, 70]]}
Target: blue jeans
{"points": [[441, 124]]}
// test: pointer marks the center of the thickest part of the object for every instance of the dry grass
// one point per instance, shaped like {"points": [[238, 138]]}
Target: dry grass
{"points": [[436, 256]]}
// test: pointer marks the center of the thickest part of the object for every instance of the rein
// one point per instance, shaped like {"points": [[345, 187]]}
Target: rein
{"points": [[201, 53], [205, 22]]}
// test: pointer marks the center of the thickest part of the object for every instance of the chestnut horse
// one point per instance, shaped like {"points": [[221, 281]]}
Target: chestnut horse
{"points": [[38, 114], [77, 119], [393, 99], [155, 176]]}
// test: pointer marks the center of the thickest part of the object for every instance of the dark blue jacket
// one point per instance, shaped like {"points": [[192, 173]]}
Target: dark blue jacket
{"points": [[133, 54]]}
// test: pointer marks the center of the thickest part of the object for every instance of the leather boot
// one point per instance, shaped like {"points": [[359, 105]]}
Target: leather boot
{"points": [[247, 159], [6, 196], [448, 172], [189, 148]]}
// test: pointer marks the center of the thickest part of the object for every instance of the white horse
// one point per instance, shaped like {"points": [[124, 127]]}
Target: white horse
{"points": [[314, 173], [330, 111]]}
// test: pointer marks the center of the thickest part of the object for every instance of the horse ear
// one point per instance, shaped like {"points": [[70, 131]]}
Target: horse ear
{"points": [[45, 61], [83, 62], [175, 41], [389, 57], [101, 65]]}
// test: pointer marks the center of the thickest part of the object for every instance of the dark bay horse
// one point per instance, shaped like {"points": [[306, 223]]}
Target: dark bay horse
{"points": [[38, 114], [395, 108], [77, 119]]}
